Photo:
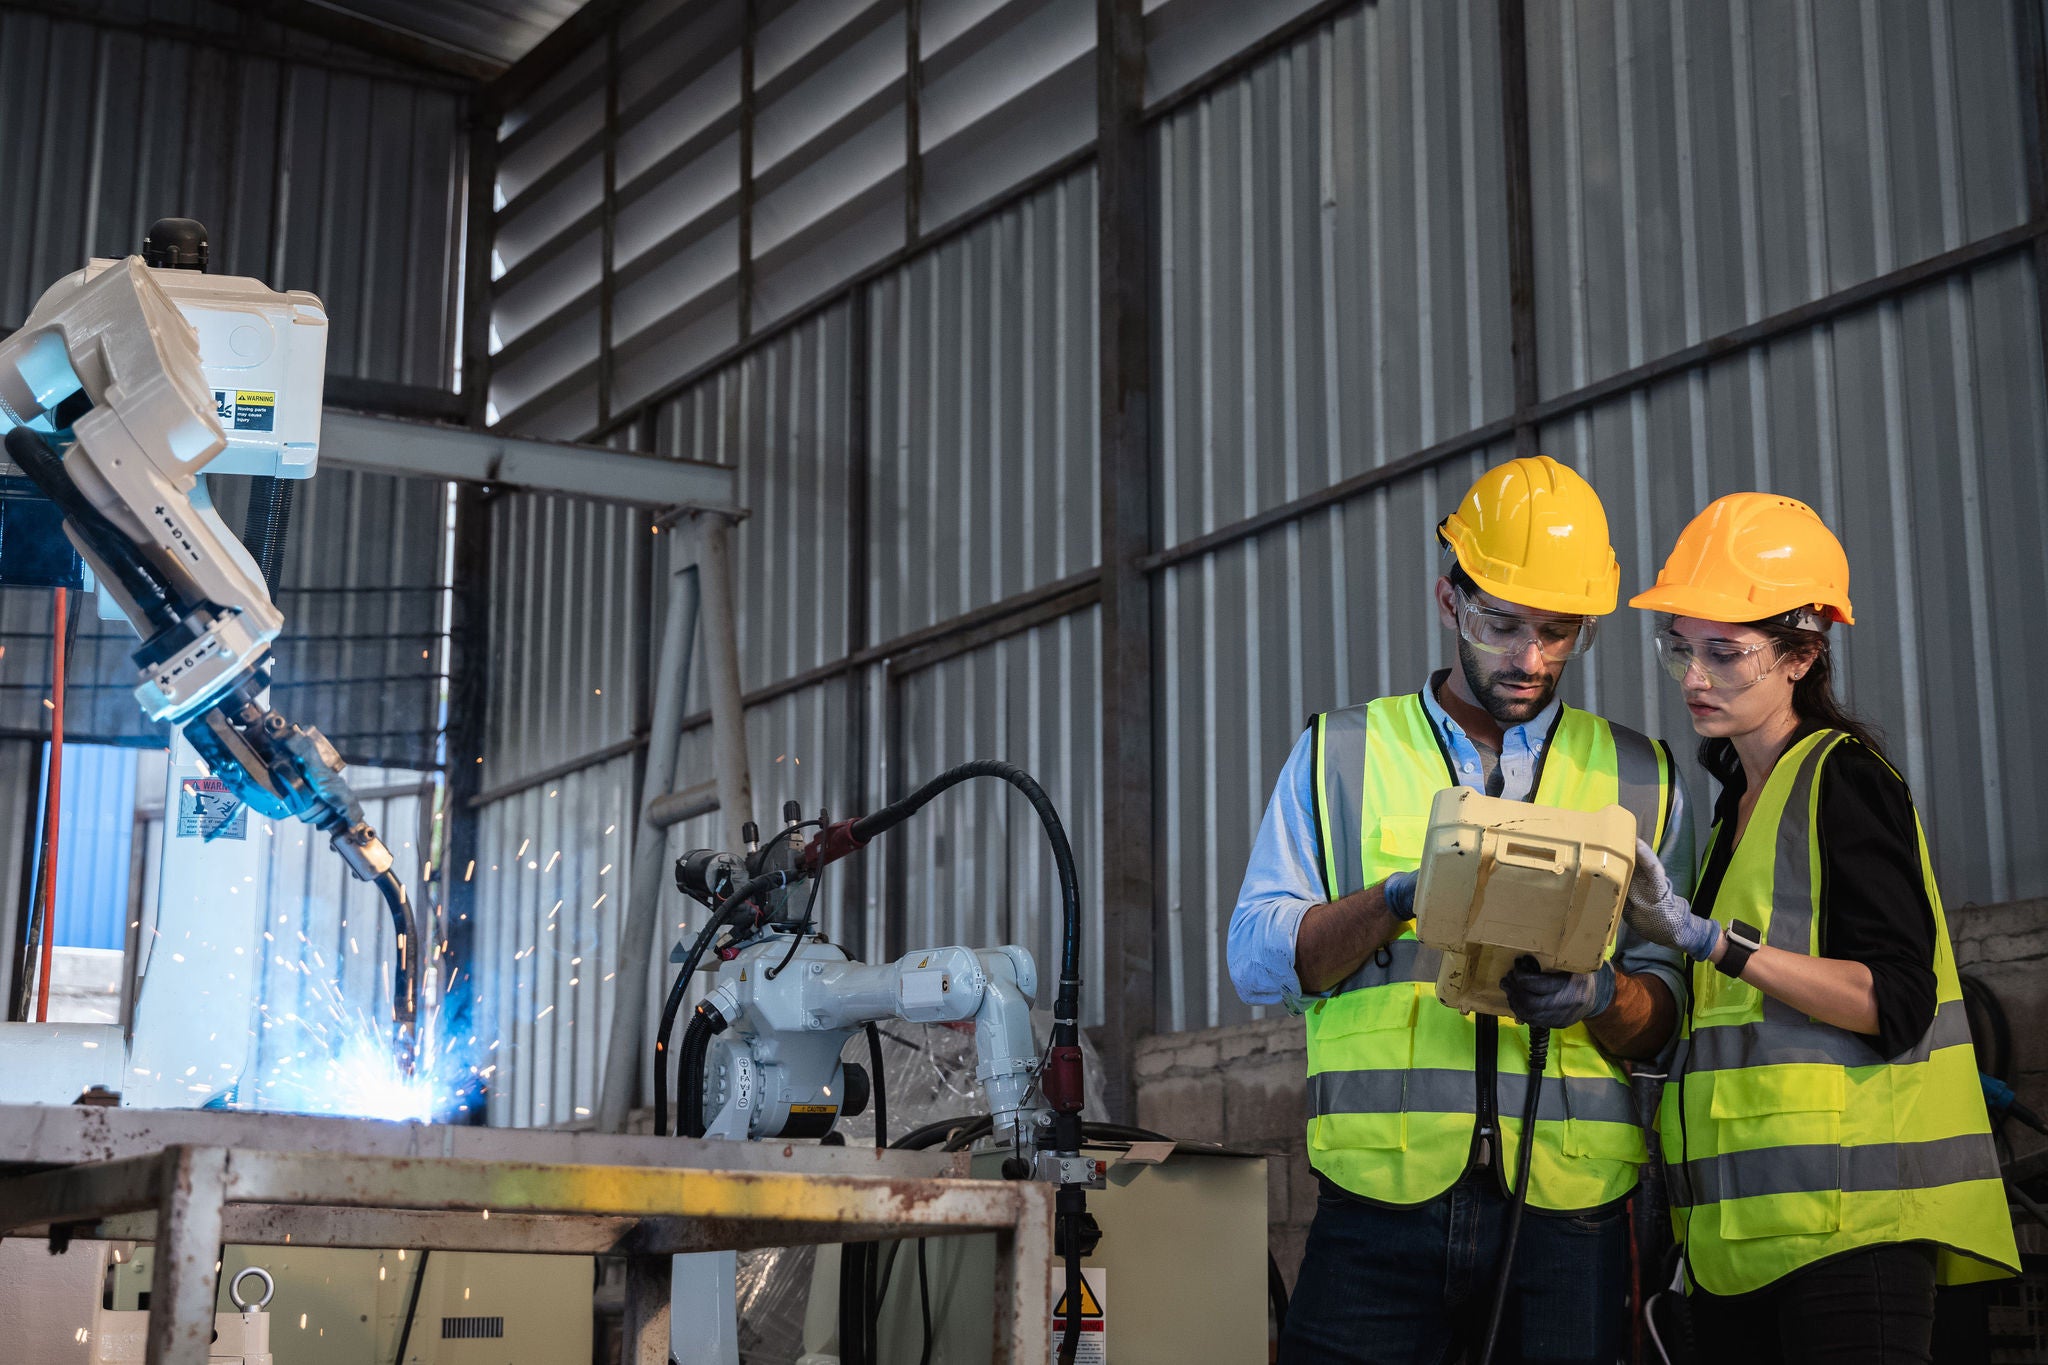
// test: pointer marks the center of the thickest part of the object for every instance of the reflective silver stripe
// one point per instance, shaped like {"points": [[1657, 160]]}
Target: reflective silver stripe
{"points": [[1410, 962], [1881, 1166], [1791, 926], [1639, 772], [1343, 780], [1443, 1090], [1732, 1047]]}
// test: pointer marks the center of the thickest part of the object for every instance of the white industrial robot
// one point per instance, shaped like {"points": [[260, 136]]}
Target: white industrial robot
{"points": [[125, 383], [761, 1057]]}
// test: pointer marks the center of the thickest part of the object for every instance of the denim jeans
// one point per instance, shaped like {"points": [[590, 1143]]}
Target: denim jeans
{"points": [[1416, 1284], [1868, 1307]]}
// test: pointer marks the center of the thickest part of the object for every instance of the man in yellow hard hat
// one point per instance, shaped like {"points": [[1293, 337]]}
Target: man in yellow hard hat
{"points": [[1415, 1109]]}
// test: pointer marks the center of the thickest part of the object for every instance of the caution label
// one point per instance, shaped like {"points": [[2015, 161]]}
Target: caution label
{"points": [[1093, 1346], [208, 810], [246, 409]]}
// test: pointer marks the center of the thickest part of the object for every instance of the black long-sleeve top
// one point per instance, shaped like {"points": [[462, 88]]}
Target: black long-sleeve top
{"points": [[1874, 906]]}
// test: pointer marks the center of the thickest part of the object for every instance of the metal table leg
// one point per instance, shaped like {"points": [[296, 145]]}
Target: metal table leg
{"points": [[1023, 1264], [188, 1240], [646, 1324]]}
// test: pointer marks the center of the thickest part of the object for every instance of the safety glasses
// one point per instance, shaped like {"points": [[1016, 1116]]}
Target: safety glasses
{"points": [[1493, 631], [1727, 666]]}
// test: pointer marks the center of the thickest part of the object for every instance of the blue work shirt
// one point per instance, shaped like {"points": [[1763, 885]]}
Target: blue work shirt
{"points": [[1282, 879]]}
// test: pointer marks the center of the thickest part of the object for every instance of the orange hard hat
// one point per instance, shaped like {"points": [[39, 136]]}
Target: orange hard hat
{"points": [[1532, 532], [1750, 557]]}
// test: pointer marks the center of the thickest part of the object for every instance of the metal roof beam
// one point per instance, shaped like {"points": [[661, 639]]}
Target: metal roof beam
{"points": [[368, 35], [391, 445]]}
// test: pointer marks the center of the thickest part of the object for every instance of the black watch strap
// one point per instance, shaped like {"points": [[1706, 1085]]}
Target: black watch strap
{"points": [[1739, 941]]}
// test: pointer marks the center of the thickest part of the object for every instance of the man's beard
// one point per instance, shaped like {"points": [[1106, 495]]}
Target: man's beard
{"points": [[1507, 711]]}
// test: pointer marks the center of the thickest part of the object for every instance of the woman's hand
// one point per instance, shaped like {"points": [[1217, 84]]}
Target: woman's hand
{"points": [[1663, 916]]}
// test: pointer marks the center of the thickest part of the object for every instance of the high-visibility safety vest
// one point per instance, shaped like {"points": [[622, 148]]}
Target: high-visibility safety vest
{"points": [[1396, 1078], [1790, 1140]]}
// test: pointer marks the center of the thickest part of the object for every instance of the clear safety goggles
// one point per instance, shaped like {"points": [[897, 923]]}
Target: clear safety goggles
{"points": [[1727, 666], [1493, 631]]}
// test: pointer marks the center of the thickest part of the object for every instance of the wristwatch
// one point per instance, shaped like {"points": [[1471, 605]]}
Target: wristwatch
{"points": [[1741, 940]]}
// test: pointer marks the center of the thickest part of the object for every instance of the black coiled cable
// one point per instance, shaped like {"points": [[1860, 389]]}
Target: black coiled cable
{"points": [[1539, 1056]]}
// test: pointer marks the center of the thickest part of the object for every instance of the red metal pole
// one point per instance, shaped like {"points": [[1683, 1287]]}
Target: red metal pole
{"points": [[53, 788]]}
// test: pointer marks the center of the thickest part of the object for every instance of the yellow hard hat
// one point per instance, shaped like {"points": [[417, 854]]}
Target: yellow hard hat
{"points": [[1750, 557], [1532, 532]]}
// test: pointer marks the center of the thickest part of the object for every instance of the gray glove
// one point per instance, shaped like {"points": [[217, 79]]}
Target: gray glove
{"points": [[1399, 889], [1557, 999], [1663, 916]]}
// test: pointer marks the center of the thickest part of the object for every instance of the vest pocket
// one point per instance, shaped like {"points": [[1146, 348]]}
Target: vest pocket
{"points": [[1779, 1132], [1600, 1120], [1360, 1045]]}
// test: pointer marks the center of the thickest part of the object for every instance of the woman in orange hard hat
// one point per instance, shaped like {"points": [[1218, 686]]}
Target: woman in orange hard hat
{"points": [[1830, 1161]]}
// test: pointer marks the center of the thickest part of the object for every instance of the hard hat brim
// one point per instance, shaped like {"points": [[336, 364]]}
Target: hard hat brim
{"points": [[1537, 599], [1686, 599]]}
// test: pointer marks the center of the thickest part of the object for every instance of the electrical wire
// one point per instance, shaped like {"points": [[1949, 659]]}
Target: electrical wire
{"points": [[880, 1085], [810, 906], [673, 1005], [412, 1307], [1539, 1056]]}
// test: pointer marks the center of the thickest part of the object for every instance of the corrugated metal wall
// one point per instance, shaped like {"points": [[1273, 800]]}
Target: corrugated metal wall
{"points": [[982, 409], [632, 252], [314, 167], [20, 800], [96, 823], [1332, 262], [1334, 276], [319, 173], [360, 656]]}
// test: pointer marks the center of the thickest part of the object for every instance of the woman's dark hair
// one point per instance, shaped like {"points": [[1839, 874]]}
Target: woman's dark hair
{"points": [[1813, 699]]}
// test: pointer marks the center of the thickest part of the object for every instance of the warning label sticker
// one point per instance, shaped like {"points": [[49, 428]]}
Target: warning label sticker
{"points": [[246, 409], [1093, 1346], [208, 810]]}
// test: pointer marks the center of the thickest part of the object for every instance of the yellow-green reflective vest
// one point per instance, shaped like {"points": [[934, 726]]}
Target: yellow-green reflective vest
{"points": [[1393, 1073], [1790, 1140]]}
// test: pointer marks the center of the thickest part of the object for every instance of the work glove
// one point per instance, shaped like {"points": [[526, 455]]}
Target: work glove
{"points": [[1399, 889], [1663, 916], [1557, 999]]}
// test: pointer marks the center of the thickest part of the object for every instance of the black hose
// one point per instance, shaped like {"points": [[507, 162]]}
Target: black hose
{"points": [[1276, 1293], [405, 1003], [673, 1005], [412, 1307], [1066, 1006], [690, 1077], [265, 524], [880, 1085], [1539, 1055], [924, 1304]]}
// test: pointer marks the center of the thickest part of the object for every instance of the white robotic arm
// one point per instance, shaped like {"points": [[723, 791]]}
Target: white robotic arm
{"points": [[774, 1070], [106, 406]]}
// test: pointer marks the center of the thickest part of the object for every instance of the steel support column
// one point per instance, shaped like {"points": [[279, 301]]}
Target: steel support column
{"points": [[1130, 850], [2031, 34], [650, 845], [1514, 106]]}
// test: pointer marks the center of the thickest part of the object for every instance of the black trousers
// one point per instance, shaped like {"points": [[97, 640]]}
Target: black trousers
{"points": [[1871, 1307]]}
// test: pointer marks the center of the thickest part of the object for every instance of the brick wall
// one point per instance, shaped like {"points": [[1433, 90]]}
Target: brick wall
{"points": [[1243, 1085]]}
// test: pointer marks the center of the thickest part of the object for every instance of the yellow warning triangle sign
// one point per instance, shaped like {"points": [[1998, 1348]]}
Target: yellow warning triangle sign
{"points": [[1091, 1307]]}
